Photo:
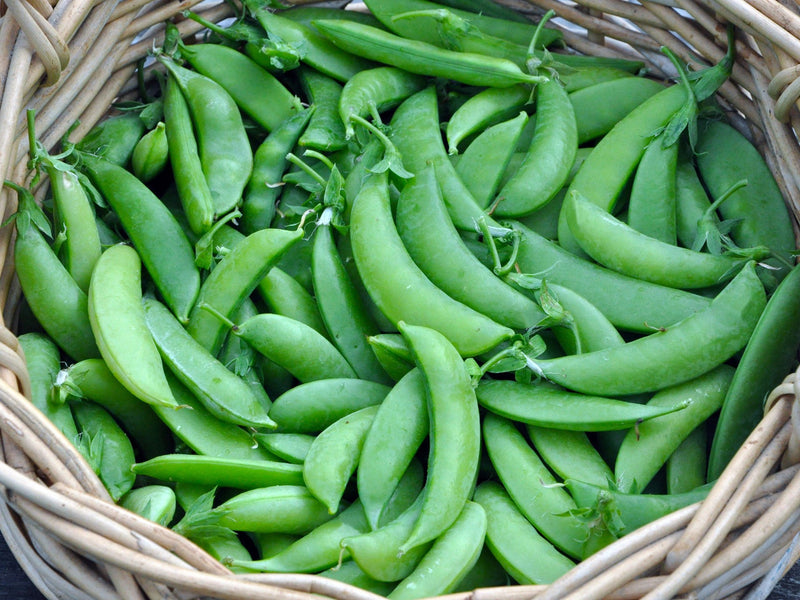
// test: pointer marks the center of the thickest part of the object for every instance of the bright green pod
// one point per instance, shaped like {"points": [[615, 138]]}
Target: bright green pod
{"points": [[151, 153], [155, 503], [570, 455], [291, 447]]}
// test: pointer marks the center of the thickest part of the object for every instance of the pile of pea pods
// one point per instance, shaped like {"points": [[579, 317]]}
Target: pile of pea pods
{"points": [[412, 298]]}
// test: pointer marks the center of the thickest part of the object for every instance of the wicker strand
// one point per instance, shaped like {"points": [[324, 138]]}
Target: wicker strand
{"points": [[43, 46]]}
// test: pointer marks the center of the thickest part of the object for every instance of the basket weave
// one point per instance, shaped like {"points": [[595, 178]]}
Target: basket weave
{"points": [[71, 59]]}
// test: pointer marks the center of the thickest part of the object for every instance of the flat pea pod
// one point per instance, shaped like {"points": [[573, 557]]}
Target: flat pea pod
{"points": [[546, 405], [658, 438], [269, 164], [570, 455], [529, 483], [120, 327], [629, 303], [222, 141], [233, 279], [105, 446], [325, 130], [619, 247], [158, 238], [155, 503], [652, 204], [298, 348], [291, 447], [237, 473], [246, 82], [55, 299], [770, 353], [333, 457], [224, 394], [277, 508], [114, 138], [315, 405], [398, 429], [376, 243], [680, 353], [454, 434], [450, 557], [42, 361], [525, 555], [374, 91], [184, 155], [93, 380], [549, 158], [687, 466], [151, 153], [422, 58]]}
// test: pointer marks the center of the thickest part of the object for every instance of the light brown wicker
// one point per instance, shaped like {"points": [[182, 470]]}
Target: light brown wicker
{"points": [[71, 58]]}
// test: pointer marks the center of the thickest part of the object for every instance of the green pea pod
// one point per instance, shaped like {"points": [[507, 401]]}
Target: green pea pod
{"points": [[284, 295], [333, 457], [454, 432], [680, 353], [105, 446], [691, 202], [629, 303], [315, 405], [524, 553], [42, 361], [432, 241], [658, 438], [392, 353], [376, 243], [277, 508], [687, 466], [450, 557], [184, 155], [546, 405], [397, 432], [233, 279], [570, 455], [234, 473], [93, 380], [652, 201], [487, 572], [120, 328], [222, 141], [151, 153], [769, 355], [224, 394], [158, 238], [155, 503], [309, 13], [549, 158], [291, 447], [55, 299], [114, 138], [325, 130], [531, 486], [374, 91], [269, 164]]}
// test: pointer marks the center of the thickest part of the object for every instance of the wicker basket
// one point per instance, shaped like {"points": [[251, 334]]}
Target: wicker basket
{"points": [[70, 60]]}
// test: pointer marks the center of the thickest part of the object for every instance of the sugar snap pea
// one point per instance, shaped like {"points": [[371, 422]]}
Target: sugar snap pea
{"points": [[687, 466], [155, 503], [151, 153], [652, 202], [570, 455], [325, 130], [291, 447], [114, 138]]}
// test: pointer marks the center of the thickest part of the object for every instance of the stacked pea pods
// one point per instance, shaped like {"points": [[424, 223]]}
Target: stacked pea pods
{"points": [[414, 298]]}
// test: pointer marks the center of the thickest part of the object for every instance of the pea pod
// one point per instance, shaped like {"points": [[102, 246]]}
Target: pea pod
{"points": [[114, 138], [291, 447], [349, 572], [570, 455], [155, 503], [687, 466], [691, 203], [151, 153], [392, 353]]}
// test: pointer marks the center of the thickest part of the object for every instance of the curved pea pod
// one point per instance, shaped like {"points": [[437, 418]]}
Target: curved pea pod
{"points": [[374, 91], [151, 153], [222, 141], [43, 360], [623, 513], [454, 432], [155, 503], [619, 247], [680, 353], [162, 245], [524, 553], [333, 457], [487, 572], [769, 355], [114, 138], [105, 446], [629, 303], [392, 353], [92, 379], [315, 405], [291, 447], [242, 474], [349, 572], [376, 244], [549, 158], [224, 394], [396, 434], [450, 557], [687, 466], [546, 405], [120, 327], [570, 455], [432, 241], [646, 448], [233, 279], [325, 130], [277, 508], [691, 202], [530, 484]]}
